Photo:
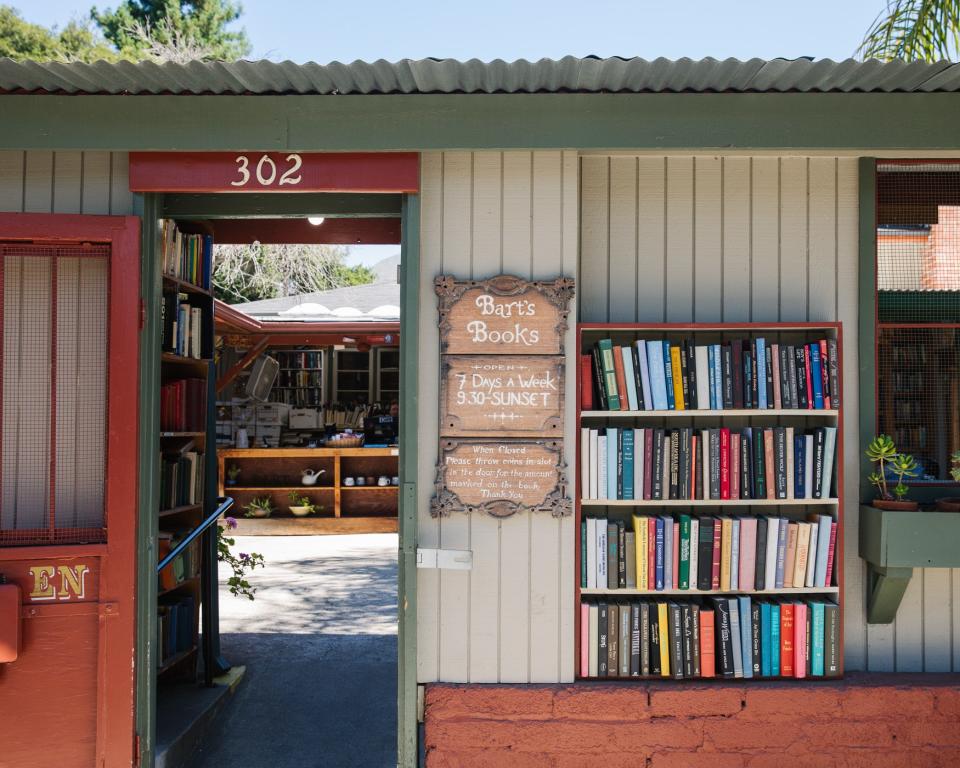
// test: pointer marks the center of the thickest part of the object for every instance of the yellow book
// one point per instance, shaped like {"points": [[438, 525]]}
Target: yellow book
{"points": [[803, 552], [726, 551], [662, 620], [677, 378], [640, 532]]}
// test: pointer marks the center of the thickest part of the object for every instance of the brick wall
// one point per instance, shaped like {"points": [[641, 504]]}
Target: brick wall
{"points": [[870, 721]]}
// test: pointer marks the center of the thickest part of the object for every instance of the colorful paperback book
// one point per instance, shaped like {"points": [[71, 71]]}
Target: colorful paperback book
{"points": [[761, 358], [816, 636], [659, 550], [718, 376], [628, 463], [816, 375], [712, 363], [765, 668], [684, 569], [668, 376], [667, 552], [746, 635], [775, 640], [676, 371]]}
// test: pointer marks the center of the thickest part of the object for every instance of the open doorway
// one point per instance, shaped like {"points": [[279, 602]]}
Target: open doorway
{"points": [[304, 427]]}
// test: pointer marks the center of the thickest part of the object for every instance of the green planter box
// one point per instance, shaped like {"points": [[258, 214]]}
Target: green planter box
{"points": [[894, 543]]}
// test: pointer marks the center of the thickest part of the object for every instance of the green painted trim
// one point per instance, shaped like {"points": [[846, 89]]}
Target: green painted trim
{"points": [[490, 121], [148, 208], [866, 326], [407, 565], [280, 205]]}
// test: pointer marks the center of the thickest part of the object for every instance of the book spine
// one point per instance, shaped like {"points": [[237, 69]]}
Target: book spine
{"points": [[760, 566], [800, 359], [816, 375], [831, 554], [668, 376], [609, 374], [635, 666], [715, 555], [787, 651], [676, 372], [640, 349], [684, 569], [746, 634], [612, 556], [775, 640], [621, 555], [825, 374], [659, 555], [761, 359], [586, 383], [768, 464], [690, 376], [769, 371], [637, 376], [775, 360], [705, 554], [833, 363], [780, 461], [736, 368], [602, 640], [724, 463], [724, 642], [734, 466], [626, 354], [726, 356]]}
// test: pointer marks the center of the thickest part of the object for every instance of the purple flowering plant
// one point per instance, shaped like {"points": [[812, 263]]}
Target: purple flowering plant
{"points": [[240, 564]]}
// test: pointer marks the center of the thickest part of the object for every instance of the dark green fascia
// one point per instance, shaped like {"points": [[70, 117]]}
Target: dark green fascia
{"points": [[657, 121], [866, 326], [280, 205]]}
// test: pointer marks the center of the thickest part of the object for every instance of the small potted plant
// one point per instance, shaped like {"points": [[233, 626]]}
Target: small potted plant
{"points": [[951, 503], [300, 505], [261, 506], [883, 453], [232, 472]]}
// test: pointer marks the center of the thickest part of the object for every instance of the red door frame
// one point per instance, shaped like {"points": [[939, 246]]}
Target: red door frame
{"points": [[117, 593]]}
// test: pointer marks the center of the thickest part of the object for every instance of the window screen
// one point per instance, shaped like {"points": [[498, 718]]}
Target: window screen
{"points": [[918, 312], [54, 393]]}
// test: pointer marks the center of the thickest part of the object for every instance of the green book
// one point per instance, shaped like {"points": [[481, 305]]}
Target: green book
{"points": [[583, 554], [684, 552], [609, 374]]}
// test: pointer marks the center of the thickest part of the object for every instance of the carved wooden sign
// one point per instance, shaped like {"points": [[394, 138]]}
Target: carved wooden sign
{"points": [[503, 315], [501, 477], [509, 396]]}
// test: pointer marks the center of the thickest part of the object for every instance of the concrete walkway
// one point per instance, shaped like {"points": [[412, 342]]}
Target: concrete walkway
{"points": [[320, 647]]}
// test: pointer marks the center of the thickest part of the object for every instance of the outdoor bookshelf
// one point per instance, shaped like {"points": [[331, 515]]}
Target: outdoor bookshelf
{"points": [[790, 509]]}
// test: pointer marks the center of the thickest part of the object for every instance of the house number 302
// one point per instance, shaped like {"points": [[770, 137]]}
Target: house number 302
{"points": [[266, 171]]}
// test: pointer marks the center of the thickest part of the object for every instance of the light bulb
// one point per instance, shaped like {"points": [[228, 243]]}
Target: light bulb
{"points": [[315, 220]]}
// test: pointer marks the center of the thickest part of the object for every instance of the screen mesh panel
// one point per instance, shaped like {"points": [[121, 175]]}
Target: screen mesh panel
{"points": [[54, 393], [918, 312]]}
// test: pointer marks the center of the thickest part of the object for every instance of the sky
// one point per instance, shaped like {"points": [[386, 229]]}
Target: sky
{"points": [[324, 31]]}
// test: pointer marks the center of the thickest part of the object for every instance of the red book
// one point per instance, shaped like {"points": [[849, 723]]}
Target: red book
{"points": [[676, 555], [735, 439], [648, 463], [775, 360], [768, 468], [693, 468], [621, 378], [715, 564], [809, 382], [800, 640], [651, 549], [724, 463], [786, 640], [586, 382], [830, 554], [824, 373], [707, 662]]}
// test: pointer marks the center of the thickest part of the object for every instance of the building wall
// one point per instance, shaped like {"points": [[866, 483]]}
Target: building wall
{"points": [[64, 182]]}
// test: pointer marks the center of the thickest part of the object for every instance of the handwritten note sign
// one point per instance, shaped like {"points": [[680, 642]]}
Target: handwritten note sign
{"points": [[503, 315], [500, 477], [510, 396]]}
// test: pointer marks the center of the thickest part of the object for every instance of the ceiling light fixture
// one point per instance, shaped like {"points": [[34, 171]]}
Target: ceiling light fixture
{"points": [[315, 220]]}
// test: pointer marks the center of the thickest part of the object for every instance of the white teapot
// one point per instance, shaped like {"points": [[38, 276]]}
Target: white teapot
{"points": [[310, 476]]}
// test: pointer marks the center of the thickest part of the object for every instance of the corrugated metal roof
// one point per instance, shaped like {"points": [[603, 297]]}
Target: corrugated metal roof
{"points": [[569, 74]]}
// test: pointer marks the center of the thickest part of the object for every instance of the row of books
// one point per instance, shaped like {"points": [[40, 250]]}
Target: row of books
{"points": [[181, 479], [300, 378], [186, 257], [657, 375], [183, 405], [181, 325], [300, 359], [732, 637], [667, 552], [184, 567], [707, 464], [176, 628]]}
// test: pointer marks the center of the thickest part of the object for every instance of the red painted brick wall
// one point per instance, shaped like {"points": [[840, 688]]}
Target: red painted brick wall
{"points": [[869, 720]]}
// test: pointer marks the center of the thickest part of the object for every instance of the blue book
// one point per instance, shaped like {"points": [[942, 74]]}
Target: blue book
{"points": [[816, 375], [658, 383], [717, 380], [765, 651], [760, 346], [668, 376], [746, 640], [816, 639], [658, 555], [711, 366], [613, 459], [775, 640], [644, 375], [626, 441], [799, 466]]}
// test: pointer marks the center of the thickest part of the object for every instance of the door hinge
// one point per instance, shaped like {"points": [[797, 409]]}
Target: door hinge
{"points": [[143, 314], [450, 559]]}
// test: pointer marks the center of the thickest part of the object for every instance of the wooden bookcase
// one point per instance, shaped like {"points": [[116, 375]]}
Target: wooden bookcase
{"points": [[793, 509], [176, 518], [275, 472], [300, 381]]}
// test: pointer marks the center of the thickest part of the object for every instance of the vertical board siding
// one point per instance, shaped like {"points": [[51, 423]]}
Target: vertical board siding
{"points": [[764, 239], [64, 182], [507, 619]]}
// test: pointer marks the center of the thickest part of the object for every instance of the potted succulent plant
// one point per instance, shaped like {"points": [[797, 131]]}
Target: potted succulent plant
{"points": [[300, 505], [884, 454], [951, 503], [232, 472], [261, 506]]}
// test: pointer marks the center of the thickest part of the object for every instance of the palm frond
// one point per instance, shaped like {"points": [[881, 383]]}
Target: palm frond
{"points": [[926, 30]]}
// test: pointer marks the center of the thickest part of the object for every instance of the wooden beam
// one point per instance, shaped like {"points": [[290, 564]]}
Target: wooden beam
{"points": [[336, 231], [252, 354]]}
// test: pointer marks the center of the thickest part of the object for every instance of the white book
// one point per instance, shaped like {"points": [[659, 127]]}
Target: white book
{"points": [[638, 468], [770, 564], [808, 467], [644, 375], [601, 550], [667, 552], [809, 579], [694, 539], [591, 553], [585, 463], [790, 463], [829, 449], [735, 635], [613, 459], [631, 379], [735, 555], [702, 358], [593, 663], [602, 467], [594, 462], [824, 524]]}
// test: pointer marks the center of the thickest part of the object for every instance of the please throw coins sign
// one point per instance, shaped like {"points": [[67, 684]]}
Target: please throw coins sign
{"points": [[501, 395]]}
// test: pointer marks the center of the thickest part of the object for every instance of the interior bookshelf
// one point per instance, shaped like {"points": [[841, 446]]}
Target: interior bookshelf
{"points": [[710, 522], [300, 380], [186, 382]]}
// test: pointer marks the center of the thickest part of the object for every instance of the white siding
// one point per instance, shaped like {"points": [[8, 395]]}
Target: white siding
{"points": [[64, 182], [510, 619]]}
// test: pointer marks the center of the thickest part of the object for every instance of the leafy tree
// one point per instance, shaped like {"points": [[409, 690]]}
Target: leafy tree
{"points": [[926, 30], [244, 273], [202, 23], [20, 39]]}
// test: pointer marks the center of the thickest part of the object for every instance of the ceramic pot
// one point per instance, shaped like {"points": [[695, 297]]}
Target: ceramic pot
{"points": [[949, 504], [891, 505], [300, 511], [258, 513]]}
